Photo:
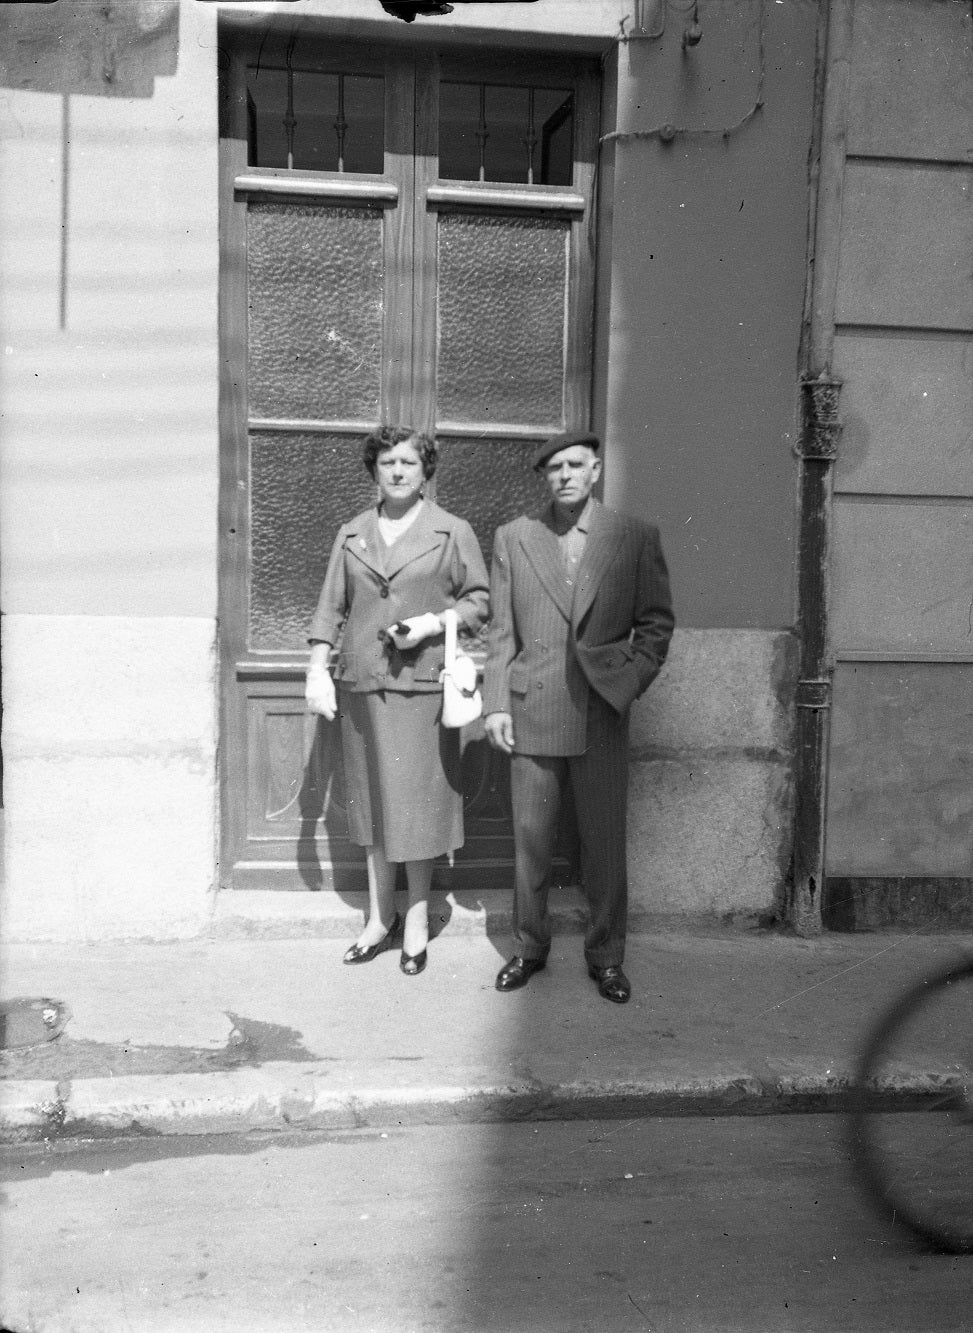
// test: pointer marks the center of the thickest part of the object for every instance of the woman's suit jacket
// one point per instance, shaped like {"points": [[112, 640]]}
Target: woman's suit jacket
{"points": [[369, 586], [551, 642]]}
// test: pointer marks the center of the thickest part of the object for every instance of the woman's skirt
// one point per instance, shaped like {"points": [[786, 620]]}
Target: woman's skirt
{"points": [[403, 781]]}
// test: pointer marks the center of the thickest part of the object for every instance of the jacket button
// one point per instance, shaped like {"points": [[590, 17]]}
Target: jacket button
{"points": [[383, 592], [540, 684]]}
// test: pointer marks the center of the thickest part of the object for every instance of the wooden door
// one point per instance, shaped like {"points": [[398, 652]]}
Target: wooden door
{"points": [[405, 239]]}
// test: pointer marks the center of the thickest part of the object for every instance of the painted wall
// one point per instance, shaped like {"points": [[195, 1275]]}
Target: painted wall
{"points": [[709, 243], [697, 347], [109, 358], [108, 377], [110, 450]]}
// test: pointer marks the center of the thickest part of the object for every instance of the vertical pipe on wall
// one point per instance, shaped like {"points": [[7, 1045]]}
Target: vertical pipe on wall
{"points": [[817, 451]]}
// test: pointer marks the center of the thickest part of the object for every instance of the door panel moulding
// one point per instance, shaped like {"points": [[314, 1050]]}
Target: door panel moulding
{"points": [[848, 495], [528, 200], [923, 331], [256, 184], [310, 426], [909, 163], [901, 655]]}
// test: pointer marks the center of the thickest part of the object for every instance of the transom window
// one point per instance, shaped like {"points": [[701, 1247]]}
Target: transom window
{"points": [[505, 132], [310, 121]]}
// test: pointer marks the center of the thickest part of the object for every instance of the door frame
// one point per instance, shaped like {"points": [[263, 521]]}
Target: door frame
{"points": [[409, 333]]}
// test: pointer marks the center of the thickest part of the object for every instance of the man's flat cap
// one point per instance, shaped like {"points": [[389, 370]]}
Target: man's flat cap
{"points": [[565, 441]]}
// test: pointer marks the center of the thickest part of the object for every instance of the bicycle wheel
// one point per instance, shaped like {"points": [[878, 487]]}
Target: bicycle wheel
{"points": [[912, 1118]]}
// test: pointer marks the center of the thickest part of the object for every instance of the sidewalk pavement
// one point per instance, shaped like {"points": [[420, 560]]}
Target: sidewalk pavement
{"points": [[233, 1035]]}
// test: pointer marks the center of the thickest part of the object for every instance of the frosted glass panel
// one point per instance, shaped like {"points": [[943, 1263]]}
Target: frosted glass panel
{"points": [[502, 289], [315, 297], [303, 487], [488, 482]]}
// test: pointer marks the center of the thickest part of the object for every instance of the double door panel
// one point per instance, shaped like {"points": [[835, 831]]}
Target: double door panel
{"points": [[457, 305]]}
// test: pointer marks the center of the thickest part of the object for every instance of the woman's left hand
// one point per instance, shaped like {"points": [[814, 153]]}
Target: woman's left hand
{"points": [[415, 630]]}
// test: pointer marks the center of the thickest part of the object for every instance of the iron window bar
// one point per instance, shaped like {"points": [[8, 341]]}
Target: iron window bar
{"points": [[340, 124], [530, 140], [482, 133], [290, 120]]}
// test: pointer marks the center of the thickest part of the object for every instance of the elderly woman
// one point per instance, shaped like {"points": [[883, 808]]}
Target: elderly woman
{"points": [[393, 571]]}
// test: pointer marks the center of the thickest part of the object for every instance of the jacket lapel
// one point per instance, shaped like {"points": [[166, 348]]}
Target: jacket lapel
{"points": [[540, 545], [425, 535], [366, 545], [599, 555]]}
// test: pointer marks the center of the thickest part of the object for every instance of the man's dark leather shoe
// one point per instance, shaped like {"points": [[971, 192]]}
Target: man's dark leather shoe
{"points": [[613, 984], [518, 972]]}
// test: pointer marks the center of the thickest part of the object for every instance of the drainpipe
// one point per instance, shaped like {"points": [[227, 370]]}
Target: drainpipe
{"points": [[817, 450]]}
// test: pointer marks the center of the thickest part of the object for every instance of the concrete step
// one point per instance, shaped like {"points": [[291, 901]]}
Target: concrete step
{"points": [[270, 914]]}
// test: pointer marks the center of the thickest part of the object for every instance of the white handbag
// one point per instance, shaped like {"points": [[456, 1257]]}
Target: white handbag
{"points": [[462, 701]]}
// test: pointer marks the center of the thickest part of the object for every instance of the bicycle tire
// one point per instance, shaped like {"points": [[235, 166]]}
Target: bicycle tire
{"points": [[912, 1110]]}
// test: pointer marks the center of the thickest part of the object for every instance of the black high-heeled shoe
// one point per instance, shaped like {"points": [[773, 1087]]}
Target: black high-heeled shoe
{"points": [[412, 963], [357, 954]]}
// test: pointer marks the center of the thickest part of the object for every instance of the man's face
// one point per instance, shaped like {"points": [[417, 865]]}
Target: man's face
{"points": [[571, 474]]}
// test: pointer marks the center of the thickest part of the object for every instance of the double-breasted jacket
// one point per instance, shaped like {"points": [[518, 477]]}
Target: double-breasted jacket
{"points": [[554, 638]]}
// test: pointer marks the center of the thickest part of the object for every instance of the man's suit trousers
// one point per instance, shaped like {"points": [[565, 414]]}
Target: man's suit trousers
{"points": [[599, 782]]}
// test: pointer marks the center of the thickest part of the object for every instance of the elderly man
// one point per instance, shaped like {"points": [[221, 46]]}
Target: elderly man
{"points": [[581, 623]]}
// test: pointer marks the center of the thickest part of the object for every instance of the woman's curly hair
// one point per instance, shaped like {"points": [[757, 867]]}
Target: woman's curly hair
{"points": [[387, 437]]}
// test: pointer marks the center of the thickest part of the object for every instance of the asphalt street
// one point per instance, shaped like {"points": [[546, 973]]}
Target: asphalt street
{"points": [[681, 1225]]}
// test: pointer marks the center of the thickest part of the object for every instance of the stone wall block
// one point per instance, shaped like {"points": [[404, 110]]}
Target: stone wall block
{"points": [[711, 792], [110, 777], [708, 838], [720, 688]]}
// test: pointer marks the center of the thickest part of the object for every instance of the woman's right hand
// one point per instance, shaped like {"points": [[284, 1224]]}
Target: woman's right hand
{"points": [[409, 633], [319, 692]]}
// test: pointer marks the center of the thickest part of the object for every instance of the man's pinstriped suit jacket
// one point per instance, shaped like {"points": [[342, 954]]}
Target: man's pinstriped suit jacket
{"points": [[549, 643]]}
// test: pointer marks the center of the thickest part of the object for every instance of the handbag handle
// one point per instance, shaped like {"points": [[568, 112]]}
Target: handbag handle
{"points": [[450, 619]]}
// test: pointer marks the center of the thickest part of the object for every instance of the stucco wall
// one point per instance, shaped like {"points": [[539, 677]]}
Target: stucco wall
{"points": [[109, 249], [108, 376], [702, 266], [707, 277]]}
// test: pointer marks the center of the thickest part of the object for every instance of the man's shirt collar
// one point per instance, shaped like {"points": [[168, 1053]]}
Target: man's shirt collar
{"points": [[581, 524]]}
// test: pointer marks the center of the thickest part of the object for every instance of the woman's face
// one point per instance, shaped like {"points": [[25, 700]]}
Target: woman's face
{"points": [[399, 474]]}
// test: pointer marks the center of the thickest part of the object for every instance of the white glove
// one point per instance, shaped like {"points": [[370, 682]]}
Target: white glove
{"points": [[319, 692], [421, 627]]}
